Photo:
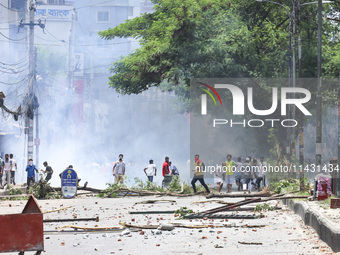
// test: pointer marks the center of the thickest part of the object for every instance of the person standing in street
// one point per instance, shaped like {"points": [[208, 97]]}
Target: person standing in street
{"points": [[238, 174], [248, 176], [165, 170], [230, 169], [119, 170], [150, 170], [14, 168], [262, 176], [6, 170], [30, 169], [199, 175], [48, 171]]}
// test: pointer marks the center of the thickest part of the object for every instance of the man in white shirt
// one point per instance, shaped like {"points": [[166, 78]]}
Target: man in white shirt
{"points": [[14, 168], [6, 169], [119, 170], [150, 170]]}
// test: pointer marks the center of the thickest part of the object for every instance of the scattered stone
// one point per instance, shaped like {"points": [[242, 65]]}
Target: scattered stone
{"points": [[218, 246], [167, 227], [156, 232], [126, 232]]}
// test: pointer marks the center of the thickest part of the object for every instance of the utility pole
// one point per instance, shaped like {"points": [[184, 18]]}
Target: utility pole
{"points": [[31, 100], [318, 150], [31, 96], [301, 128], [293, 137]]}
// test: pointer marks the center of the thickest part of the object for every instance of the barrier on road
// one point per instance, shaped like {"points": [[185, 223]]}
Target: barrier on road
{"points": [[23, 232]]}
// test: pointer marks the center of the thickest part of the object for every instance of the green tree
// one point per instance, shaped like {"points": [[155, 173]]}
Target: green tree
{"points": [[183, 39]]}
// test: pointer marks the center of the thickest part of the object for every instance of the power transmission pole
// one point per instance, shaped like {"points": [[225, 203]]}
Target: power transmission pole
{"points": [[31, 96], [318, 150], [31, 99]]}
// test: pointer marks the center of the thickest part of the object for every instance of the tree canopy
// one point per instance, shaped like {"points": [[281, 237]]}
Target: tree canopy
{"points": [[182, 39]]}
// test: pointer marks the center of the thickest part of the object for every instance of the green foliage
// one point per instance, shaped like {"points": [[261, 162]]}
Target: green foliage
{"points": [[15, 191], [110, 190], [13, 198], [175, 184], [43, 190], [263, 207], [182, 39], [289, 185], [151, 186], [183, 211]]}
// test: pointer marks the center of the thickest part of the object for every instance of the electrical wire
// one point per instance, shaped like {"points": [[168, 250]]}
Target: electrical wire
{"points": [[19, 62], [14, 83], [14, 39]]}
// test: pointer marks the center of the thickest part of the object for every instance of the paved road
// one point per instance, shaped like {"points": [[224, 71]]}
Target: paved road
{"points": [[284, 233]]}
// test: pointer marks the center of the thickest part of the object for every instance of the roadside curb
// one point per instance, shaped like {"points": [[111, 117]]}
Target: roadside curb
{"points": [[324, 227]]}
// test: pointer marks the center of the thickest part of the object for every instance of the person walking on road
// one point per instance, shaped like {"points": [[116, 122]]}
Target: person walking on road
{"points": [[6, 170], [48, 171], [31, 170], [119, 170], [248, 176], [150, 170], [261, 175], [199, 175], [238, 174], [230, 169], [14, 168]]}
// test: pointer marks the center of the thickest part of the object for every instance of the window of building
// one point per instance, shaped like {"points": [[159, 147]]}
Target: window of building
{"points": [[56, 2], [18, 4], [103, 16]]}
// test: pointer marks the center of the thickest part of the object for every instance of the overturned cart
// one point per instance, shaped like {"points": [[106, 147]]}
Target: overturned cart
{"points": [[23, 232]]}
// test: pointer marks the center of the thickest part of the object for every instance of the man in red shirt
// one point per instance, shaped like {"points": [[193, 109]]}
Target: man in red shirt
{"points": [[166, 166], [166, 170]]}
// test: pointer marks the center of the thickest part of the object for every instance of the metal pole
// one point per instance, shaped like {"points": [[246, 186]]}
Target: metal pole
{"points": [[293, 137], [30, 144], [301, 156], [37, 140], [318, 151]]}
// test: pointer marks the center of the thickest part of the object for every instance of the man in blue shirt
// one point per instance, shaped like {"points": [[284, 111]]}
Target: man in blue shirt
{"points": [[30, 173]]}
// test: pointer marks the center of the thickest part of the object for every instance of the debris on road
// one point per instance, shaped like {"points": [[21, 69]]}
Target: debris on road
{"points": [[249, 243]]}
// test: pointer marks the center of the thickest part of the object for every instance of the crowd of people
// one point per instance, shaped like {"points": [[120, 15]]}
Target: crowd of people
{"points": [[247, 175], [8, 168]]}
